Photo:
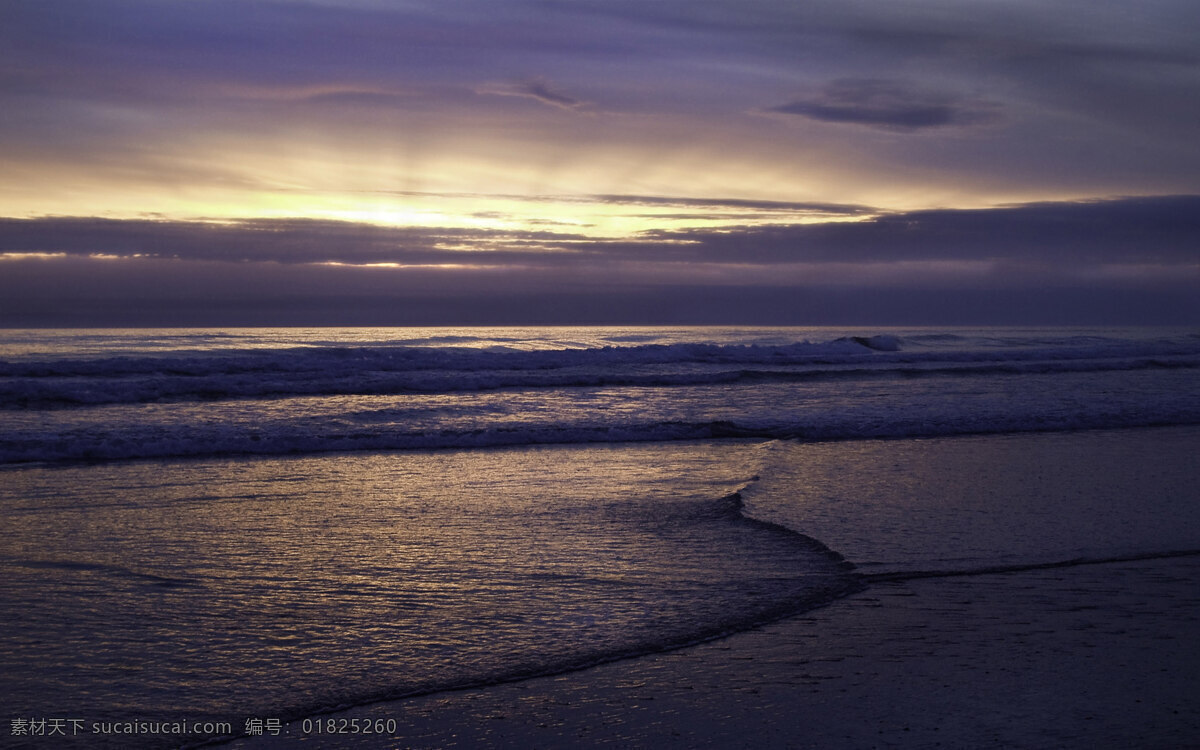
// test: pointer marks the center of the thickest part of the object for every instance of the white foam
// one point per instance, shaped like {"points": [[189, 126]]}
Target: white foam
{"points": [[335, 398]]}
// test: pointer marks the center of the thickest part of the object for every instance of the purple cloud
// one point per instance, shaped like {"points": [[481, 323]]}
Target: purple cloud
{"points": [[889, 105], [539, 90]]}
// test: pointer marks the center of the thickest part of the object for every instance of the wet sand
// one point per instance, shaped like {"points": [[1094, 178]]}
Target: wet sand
{"points": [[1097, 655]]}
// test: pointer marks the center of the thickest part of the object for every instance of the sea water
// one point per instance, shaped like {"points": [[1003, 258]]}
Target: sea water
{"points": [[224, 526], [97, 395]]}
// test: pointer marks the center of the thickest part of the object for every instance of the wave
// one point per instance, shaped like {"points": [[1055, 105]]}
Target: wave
{"points": [[820, 577], [396, 370], [415, 358], [1074, 562], [56, 394], [330, 398], [223, 440], [115, 571]]}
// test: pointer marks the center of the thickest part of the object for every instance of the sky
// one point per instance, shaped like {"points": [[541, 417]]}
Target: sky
{"points": [[362, 162]]}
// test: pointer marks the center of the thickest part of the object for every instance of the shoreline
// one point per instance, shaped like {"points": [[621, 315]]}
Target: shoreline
{"points": [[952, 644], [1095, 655]]}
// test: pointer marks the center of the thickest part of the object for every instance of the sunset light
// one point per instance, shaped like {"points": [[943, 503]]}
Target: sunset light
{"points": [[585, 129], [648, 374]]}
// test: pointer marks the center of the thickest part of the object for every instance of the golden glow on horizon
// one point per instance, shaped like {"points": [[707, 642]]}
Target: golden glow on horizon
{"points": [[438, 266], [31, 256], [581, 215], [464, 176], [468, 181]]}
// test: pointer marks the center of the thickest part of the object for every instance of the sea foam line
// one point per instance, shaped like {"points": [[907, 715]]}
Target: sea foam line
{"points": [[898, 576]]}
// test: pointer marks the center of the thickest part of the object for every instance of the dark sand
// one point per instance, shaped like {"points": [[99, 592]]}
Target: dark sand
{"points": [[1089, 656]]}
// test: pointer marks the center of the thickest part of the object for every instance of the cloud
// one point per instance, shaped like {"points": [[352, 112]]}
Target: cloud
{"points": [[542, 92], [1104, 107], [835, 209], [889, 105], [1129, 260], [287, 241], [667, 201], [538, 90], [78, 292], [1071, 235], [1075, 236]]}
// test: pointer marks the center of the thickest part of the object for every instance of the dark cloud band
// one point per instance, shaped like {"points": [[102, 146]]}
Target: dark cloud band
{"points": [[891, 105], [1159, 229]]}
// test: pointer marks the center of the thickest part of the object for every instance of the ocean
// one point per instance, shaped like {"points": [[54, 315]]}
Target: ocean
{"points": [[204, 529]]}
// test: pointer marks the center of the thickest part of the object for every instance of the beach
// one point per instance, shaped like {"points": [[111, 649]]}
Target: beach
{"points": [[1093, 656], [647, 374], [640, 538], [1064, 648]]}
